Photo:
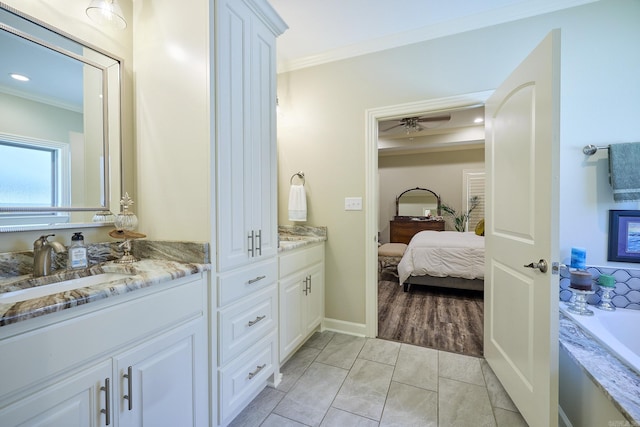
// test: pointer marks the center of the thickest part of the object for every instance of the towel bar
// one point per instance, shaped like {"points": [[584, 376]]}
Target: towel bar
{"points": [[591, 149], [299, 175]]}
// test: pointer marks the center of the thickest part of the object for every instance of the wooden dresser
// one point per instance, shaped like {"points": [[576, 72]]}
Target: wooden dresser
{"points": [[402, 229]]}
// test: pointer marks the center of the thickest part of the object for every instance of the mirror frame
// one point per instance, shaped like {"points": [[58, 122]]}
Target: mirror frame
{"points": [[111, 138], [439, 212]]}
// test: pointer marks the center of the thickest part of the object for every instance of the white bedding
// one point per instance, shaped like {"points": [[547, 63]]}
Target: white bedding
{"points": [[442, 254]]}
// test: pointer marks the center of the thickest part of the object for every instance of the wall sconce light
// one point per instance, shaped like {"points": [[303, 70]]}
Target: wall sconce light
{"points": [[107, 12]]}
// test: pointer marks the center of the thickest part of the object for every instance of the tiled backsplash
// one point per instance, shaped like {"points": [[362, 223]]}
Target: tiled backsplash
{"points": [[626, 293]]}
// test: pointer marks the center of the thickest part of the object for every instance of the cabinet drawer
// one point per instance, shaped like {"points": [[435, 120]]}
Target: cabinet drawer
{"points": [[244, 323], [233, 286], [301, 258], [243, 378]]}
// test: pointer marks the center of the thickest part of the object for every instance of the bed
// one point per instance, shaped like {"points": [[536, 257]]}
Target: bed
{"points": [[443, 258]]}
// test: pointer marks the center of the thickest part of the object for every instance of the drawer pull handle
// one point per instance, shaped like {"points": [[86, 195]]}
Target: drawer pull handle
{"points": [[107, 401], [257, 371], [257, 279], [253, 322], [129, 378]]}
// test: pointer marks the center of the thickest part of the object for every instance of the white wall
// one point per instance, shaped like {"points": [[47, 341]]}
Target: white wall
{"points": [[172, 116], [322, 129], [439, 171]]}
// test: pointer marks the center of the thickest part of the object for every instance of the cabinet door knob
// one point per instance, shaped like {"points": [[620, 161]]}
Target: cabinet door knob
{"points": [[129, 378], [107, 401], [259, 245]]}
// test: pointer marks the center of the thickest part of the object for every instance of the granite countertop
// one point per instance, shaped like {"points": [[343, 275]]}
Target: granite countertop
{"points": [[145, 273], [296, 236], [619, 383]]}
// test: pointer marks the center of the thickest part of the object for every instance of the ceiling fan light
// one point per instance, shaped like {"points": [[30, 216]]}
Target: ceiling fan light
{"points": [[107, 12]]}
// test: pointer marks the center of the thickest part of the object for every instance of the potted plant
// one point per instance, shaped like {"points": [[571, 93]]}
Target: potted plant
{"points": [[460, 220]]}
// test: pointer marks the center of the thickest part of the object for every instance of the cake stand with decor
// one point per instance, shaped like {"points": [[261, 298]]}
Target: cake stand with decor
{"points": [[126, 221], [581, 285], [607, 284]]}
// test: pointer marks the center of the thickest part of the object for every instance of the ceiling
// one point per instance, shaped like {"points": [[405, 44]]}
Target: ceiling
{"points": [[327, 30], [447, 130], [331, 30]]}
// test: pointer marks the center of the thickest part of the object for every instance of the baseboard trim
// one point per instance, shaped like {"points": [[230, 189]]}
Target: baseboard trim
{"points": [[349, 328]]}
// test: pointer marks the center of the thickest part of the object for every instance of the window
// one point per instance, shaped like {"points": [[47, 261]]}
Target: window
{"points": [[32, 175], [473, 185]]}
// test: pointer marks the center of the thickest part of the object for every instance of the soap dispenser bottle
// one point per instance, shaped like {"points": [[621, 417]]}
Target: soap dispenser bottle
{"points": [[77, 252]]}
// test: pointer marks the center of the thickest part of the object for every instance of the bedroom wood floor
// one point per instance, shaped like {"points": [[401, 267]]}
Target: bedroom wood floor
{"points": [[439, 318]]}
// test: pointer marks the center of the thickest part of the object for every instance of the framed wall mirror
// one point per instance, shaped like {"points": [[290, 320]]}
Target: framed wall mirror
{"points": [[60, 118], [417, 202]]}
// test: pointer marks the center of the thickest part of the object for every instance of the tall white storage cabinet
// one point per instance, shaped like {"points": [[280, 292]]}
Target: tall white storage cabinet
{"points": [[246, 220], [246, 131]]}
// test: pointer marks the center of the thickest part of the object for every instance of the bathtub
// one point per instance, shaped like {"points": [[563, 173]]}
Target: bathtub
{"points": [[616, 330]]}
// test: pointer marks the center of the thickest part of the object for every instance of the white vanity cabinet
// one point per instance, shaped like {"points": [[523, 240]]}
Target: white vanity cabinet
{"points": [[247, 335], [246, 33], [142, 356], [301, 285]]}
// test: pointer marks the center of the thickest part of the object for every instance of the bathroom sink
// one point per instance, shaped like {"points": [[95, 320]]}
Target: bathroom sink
{"points": [[63, 286]]}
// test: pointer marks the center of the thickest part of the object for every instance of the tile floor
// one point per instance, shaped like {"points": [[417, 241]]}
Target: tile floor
{"points": [[341, 380]]}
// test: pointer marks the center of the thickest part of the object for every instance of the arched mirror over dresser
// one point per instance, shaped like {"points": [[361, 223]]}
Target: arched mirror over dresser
{"points": [[417, 209]]}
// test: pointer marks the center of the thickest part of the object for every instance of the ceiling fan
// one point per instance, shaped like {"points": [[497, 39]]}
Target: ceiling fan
{"points": [[412, 124]]}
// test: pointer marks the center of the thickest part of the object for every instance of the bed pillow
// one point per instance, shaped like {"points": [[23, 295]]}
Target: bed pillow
{"points": [[480, 228]]}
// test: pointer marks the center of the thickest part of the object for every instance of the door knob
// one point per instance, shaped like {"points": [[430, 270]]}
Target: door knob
{"points": [[540, 265]]}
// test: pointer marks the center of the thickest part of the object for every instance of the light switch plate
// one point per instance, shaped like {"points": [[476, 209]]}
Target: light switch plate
{"points": [[353, 203]]}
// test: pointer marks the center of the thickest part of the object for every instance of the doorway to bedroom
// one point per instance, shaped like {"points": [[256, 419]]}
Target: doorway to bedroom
{"points": [[439, 148]]}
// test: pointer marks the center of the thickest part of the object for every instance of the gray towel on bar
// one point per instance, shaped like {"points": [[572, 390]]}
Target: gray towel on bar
{"points": [[624, 171]]}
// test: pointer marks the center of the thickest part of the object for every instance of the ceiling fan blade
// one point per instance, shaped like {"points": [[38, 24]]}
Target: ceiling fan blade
{"points": [[392, 127], [435, 119]]}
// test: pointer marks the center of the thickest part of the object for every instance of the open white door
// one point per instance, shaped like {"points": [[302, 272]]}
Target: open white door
{"points": [[522, 167]]}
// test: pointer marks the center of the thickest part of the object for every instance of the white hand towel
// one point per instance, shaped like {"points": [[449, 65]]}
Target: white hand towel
{"points": [[297, 203]]}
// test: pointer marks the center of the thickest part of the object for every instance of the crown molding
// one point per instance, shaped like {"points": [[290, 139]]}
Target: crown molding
{"points": [[502, 15]]}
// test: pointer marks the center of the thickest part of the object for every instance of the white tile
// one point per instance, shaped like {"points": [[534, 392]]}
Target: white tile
{"points": [[460, 367], [365, 389], [275, 420], [310, 398], [417, 366], [341, 351], [319, 340], [259, 408], [337, 418], [410, 406], [497, 394], [463, 404], [295, 367], [506, 418], [381, 351]]}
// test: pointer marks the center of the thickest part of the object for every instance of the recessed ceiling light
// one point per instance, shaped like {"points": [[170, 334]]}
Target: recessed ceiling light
{"points": [[19, 77], [478, 120]]}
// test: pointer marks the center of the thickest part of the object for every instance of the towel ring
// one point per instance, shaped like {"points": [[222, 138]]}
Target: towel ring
{"points": [[299, 175]]}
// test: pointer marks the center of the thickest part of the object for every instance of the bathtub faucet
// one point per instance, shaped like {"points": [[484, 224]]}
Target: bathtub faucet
{"points": [[42, 248]]}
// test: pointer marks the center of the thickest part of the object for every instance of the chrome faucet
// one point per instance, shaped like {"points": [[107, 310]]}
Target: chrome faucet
{"points": [[42, 265]]}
